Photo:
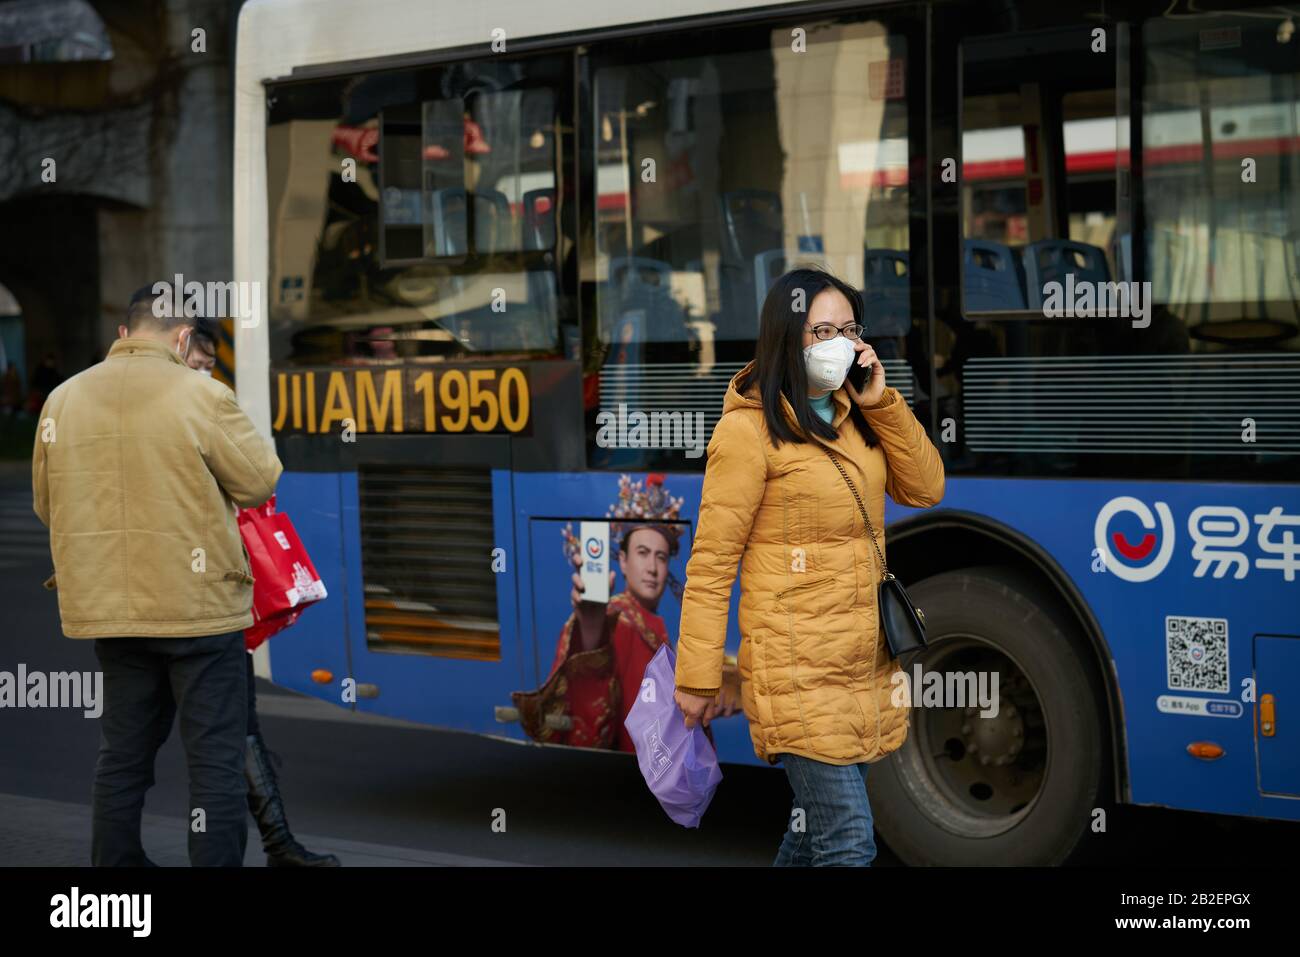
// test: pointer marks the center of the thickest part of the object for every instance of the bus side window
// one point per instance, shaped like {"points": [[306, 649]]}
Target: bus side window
{"points": [[1221, 201], [1039, 164]]}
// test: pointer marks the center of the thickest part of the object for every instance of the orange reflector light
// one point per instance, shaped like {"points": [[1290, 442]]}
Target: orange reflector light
{"points": [[1267, 716], [1204, 750], [322, 677]]}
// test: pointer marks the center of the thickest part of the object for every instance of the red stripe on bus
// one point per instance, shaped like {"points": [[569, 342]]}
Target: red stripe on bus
{"points": [[1094, 161]]}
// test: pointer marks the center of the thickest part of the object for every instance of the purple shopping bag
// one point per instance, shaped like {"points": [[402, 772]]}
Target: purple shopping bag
{"points": [[678, 763]]}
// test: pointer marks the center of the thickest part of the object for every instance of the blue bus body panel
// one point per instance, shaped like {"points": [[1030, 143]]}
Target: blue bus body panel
{"points": [[1180, 605], [1190, 575], [447, 692], [1277, 672], [317, 504]]}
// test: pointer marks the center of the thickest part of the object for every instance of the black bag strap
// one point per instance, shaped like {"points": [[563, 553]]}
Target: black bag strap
{"points": [[866, 519]]}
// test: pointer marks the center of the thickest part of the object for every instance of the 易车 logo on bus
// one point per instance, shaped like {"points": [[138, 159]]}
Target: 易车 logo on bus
{"points": [[405, 399], [1136, 544]]}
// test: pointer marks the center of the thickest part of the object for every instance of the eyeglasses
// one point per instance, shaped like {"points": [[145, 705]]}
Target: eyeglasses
{"points": [[825, 330]]}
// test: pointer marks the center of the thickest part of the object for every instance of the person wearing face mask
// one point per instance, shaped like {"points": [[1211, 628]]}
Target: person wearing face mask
{"points": [[264, 800], [814, 666], [137, 470], [203, 346]]}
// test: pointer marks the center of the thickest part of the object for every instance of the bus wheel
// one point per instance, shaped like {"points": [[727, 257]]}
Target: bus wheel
{"points": [[974, 787]]}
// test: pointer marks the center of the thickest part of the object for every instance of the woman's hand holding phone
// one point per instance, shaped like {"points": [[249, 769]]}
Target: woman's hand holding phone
{"points": [[874, 388]]}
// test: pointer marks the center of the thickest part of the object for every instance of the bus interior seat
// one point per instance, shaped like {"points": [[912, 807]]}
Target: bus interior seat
{"points": [[644, 286], [1051, 260], [494, 222], [542, 315], [495, 226], [994, 277], [494, 231], [448, 216], [886, 293], [629, 273]]}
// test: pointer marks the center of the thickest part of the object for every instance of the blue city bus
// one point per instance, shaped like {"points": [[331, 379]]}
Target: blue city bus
{"points": [[483, 238]]}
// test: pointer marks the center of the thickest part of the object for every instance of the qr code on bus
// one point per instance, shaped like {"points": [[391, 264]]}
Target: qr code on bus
{"points": [[1196, 653]]}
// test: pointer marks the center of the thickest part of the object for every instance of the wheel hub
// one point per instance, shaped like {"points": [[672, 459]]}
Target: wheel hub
{"points": [[994, 740]]}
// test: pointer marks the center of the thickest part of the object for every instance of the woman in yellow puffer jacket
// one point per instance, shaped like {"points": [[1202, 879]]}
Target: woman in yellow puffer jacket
{"points": [[815, 669]]}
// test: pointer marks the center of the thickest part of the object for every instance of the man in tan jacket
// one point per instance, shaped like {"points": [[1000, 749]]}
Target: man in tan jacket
{"points": [[137, 468]]}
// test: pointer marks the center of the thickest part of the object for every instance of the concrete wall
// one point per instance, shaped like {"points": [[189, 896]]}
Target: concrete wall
{"points": [[142, 147]]}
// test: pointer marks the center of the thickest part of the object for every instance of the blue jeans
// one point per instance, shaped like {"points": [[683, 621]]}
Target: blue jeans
{"points": [[834, 828]]}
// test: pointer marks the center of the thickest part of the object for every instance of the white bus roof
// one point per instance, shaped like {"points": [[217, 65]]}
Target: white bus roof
{"points": [[275, 36]]}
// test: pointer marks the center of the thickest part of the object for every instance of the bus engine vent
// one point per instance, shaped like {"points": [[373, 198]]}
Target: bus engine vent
{"points": [[426, 546]]}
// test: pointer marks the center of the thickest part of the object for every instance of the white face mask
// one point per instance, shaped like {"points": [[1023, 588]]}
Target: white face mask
{"points": [[828, 362]]}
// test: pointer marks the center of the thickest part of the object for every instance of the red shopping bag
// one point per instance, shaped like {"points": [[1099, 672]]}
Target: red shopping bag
{"points": [[284, 579], [262, 630]]}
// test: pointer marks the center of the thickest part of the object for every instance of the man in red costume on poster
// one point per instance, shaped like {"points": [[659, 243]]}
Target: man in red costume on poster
{"points": [[599, 664]]}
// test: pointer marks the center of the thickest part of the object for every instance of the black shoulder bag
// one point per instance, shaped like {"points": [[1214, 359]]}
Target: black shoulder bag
{"points": [[902, 622]]}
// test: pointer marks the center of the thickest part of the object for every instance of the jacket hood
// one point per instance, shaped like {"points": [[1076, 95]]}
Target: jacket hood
{"points": [[733, 398], [752, 400]]}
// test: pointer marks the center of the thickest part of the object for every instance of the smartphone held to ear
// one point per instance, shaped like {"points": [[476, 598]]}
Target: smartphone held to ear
{"points": [[859, 376]]}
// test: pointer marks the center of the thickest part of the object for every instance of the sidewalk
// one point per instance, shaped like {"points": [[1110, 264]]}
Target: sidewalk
{"points": [[35, 832]]}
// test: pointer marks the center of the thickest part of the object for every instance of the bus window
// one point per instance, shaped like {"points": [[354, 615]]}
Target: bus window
{"points": [[422, 159], [413, 216], [1136, 324], [1038, 166], [1221, 150], [717, 168]]}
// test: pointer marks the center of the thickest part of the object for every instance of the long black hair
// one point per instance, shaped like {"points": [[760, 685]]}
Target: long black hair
{"points": [[778, 359]]}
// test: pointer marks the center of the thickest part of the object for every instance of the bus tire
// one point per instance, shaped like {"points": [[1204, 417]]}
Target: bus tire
{"points": [[948, 808]]}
